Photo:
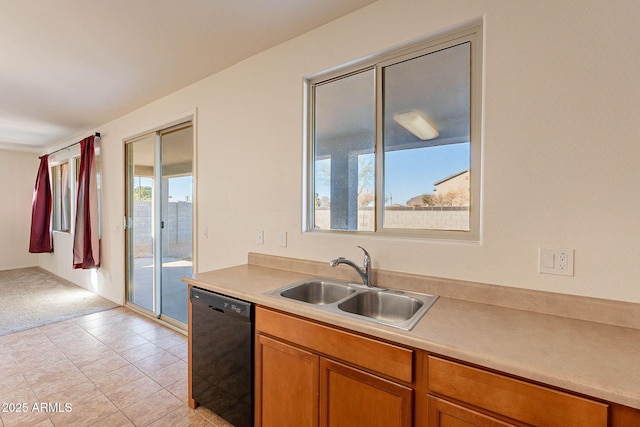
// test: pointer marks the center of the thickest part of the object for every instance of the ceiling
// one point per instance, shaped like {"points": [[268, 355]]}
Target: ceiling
{"points": [[68, 66]]}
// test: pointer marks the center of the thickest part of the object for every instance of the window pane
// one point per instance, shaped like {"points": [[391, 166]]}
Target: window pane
{"points": [[343, 166], [426, 141], [61, 197]]}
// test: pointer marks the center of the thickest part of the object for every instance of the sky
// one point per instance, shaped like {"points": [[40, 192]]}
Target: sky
{"points": [[180, 188], [411, 173]]}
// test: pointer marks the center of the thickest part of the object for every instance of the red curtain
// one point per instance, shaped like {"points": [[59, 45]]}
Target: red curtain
{"points": [[41, 240], [86, 243]]}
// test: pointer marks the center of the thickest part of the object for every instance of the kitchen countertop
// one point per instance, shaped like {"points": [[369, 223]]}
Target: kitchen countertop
{"points": [[587, 357]]}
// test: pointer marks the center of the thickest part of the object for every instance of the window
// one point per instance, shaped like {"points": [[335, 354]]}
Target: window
{"points": [[61, 197], [65, 176], [394, 143]]}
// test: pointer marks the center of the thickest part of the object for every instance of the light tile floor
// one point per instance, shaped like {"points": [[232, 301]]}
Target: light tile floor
{"points": [[113, 368]]}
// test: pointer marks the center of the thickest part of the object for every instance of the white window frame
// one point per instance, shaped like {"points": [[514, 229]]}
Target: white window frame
{"points": [[472, 34]]}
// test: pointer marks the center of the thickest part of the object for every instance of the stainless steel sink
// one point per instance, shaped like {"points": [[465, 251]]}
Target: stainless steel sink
{"points": [[400, 309], [318, 292], [382, 305]]}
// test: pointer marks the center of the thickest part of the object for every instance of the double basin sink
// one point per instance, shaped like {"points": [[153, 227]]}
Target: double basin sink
{"points": [[400, 309]]}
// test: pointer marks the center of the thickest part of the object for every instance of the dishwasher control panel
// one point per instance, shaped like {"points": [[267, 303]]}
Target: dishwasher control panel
{"points": [[220, 303]]}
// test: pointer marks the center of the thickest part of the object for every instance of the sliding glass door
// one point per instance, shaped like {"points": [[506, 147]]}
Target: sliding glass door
{"points": [[140, 230], [159, 214], [176, 210]]}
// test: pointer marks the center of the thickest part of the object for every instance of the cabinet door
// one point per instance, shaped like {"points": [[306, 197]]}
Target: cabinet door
{"points": [[286, 385], [512, 398], [353, 398], [446, 414]]}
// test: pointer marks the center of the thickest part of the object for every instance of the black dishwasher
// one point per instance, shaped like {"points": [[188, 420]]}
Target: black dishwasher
{"points": [[222, 355]]}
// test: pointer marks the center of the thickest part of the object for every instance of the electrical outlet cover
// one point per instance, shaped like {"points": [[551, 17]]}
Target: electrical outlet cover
{"points": [[556, 261]]}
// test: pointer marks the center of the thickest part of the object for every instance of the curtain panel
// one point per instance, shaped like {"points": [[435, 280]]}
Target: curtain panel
{"points": [[86, 243], [41, 239]]}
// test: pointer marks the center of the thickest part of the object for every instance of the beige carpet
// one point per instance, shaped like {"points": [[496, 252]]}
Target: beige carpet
{"points": [[32, 297]]}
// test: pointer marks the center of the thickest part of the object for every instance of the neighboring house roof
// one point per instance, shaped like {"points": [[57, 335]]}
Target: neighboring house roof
{"points": [[418, 200], [450, 177]]}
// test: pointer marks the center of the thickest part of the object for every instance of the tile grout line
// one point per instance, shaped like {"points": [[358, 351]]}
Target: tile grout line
{"points": [[129, 363], [83, 374], [160, 339]]}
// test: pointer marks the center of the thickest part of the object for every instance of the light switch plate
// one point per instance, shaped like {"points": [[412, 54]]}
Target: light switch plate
{"points": [[282, 239]]}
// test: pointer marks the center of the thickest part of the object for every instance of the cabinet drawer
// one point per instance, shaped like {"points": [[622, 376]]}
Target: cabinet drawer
{"points": [[513, 398], [384, 358]]}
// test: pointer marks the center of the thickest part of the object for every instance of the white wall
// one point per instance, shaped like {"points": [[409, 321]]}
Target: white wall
{"points": [[18, 172], [560, 148]]}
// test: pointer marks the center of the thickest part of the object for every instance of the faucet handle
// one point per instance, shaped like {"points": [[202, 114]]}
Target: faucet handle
{"points": [[367, 257]]}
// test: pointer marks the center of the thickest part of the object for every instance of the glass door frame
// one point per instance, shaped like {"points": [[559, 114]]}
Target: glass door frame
{"points": [[188, 121]]}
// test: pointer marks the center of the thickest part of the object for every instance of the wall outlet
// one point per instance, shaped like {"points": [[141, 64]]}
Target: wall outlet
{"points": [[260, 237], [555, 261]]}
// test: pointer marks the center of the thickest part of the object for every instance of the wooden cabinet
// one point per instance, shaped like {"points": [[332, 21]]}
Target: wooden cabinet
{"points": [[443, 413], [351, 397], [312, 374], [501, 400], [288, 383], [308, 374]]}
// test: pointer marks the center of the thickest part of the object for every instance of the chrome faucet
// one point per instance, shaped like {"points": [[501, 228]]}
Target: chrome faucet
{"points": [[364, 272]]}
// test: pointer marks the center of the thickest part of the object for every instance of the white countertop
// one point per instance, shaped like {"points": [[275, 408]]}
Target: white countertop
{"points": [[586, 357]]}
